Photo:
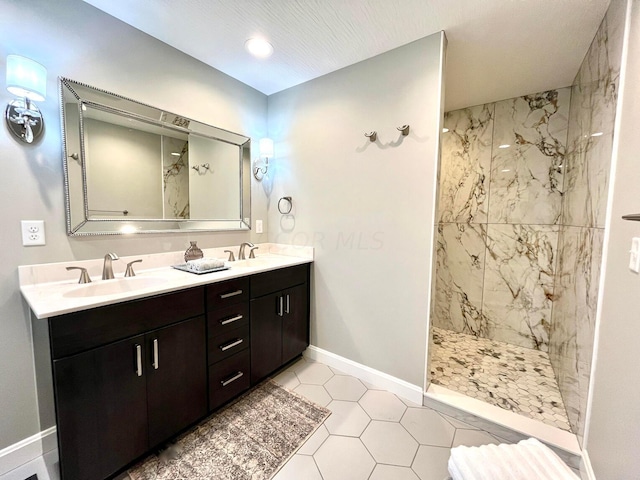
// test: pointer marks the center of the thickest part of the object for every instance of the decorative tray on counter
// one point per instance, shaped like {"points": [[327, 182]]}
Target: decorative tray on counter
{"points": [[184, 267]]}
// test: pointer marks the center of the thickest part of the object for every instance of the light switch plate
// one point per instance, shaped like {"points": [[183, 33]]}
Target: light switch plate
{"points": [[634, 255]]}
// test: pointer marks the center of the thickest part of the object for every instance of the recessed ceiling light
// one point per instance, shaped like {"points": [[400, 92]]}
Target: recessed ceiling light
{"points": [[505, 145], [259, 47]]}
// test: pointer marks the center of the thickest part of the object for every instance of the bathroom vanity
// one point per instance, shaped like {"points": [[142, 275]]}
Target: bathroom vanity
{"points": [[130, 374]]}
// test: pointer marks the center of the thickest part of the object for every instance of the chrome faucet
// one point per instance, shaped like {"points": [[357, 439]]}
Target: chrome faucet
{"points": [[241, 255], [107, 269]]}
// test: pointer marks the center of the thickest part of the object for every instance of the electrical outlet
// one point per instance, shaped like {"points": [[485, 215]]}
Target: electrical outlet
{"points": [[258, 226], [33, 232]]}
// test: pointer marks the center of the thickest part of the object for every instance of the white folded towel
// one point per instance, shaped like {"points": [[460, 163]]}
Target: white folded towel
{"points": [[526, 460], [202, 264]]}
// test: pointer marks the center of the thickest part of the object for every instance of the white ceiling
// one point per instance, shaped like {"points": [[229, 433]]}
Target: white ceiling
{"points": [[496, 48]]}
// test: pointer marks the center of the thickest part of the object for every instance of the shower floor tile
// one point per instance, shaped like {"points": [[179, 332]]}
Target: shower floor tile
{"points": [[511, 377]]}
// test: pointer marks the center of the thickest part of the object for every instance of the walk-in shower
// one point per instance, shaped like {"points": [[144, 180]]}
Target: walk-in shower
{"points": [[521, 215]]}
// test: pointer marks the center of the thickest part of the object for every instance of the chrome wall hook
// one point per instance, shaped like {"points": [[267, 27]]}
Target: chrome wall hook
{"points": [[404, 129], [373, 136], [203, 166]]}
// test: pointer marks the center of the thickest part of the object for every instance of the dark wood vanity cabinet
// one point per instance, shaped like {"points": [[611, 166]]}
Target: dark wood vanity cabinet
{"points": [[130, 376], [279, 318], [228, 340], [123, 396]]}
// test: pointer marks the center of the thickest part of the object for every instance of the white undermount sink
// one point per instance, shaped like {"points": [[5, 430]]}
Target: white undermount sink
{"points": [[117, 285], [263, 261]]}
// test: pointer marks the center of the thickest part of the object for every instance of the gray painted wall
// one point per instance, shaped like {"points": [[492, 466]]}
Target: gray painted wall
{"points": [[115, 182], [367, 208], [613, 432], [76, 40]]}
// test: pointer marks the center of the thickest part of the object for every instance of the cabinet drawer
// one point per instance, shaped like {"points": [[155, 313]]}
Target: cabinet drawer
{"points": [[269, 282], [228, 378], [80, 331], [227, 293], [223, 346], [223, 320]]}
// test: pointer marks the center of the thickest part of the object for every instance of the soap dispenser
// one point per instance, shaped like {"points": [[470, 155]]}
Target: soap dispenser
{"points": [[193, 252]]}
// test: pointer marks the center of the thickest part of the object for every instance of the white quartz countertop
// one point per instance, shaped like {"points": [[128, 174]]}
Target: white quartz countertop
{"points": [[51, 290]]}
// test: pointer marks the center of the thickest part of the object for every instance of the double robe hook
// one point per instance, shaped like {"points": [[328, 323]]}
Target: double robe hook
{"points": [[373, 136], [203, 166]]}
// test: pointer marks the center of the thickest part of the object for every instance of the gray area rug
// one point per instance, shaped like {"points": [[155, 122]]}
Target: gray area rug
{"points": [[249, 439]]}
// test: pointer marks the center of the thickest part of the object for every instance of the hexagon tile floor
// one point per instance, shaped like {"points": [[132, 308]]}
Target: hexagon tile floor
{"points": [[371, 434], [511, 377]]}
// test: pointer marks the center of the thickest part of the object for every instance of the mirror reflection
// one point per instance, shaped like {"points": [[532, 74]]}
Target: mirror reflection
{"points": [[133, 168]]}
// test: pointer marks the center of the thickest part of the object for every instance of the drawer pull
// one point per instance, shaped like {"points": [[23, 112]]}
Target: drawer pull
{"points": [[155, 362], [231, 345], [231, 294], [230, 320], [232, 379], [138, 360]]}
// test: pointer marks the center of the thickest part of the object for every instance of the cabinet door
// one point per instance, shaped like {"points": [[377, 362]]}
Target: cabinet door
{"points": [[295, 324], [101, 409], [176, 378], [266, 335]]}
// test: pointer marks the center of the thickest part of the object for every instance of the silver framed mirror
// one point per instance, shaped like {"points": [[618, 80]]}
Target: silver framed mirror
{"points": [[133, 168]]}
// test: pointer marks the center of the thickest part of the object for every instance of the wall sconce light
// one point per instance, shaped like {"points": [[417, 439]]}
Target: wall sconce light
{"points": [[261, 166], [28, 81]]}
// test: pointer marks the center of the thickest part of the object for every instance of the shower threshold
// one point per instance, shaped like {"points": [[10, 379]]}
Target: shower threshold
{"points": [[513, 378]]}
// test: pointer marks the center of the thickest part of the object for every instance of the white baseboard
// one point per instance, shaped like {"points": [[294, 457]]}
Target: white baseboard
{"points": [[380, 379], [586, 470], [27, 450]]}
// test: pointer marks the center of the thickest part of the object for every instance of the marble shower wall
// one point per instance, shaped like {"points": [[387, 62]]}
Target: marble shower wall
{"points": [[523, 197], [499, 209], [175, 181], [590, 140]]}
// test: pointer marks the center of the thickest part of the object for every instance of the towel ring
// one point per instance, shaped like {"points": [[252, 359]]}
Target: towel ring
{"points": [[284, 210]]}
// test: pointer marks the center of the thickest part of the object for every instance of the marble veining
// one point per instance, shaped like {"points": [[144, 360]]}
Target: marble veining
{"points": [[513, 378], [460, 256], [519, 283], [592, 116], [529, 144], [590, 145], [537, 207], [175, 178], [574, 312], [465, 164], [498, 214]]}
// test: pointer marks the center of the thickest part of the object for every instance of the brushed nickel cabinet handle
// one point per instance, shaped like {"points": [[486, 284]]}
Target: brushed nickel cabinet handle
{"points": [[139, 360], [280, 306], [232, 379], [231, 345], [155, 362], [230, 320], [287, 309], [231, 294]]}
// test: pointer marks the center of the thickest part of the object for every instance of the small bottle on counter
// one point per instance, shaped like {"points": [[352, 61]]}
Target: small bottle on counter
{"points": [[193, 252]]}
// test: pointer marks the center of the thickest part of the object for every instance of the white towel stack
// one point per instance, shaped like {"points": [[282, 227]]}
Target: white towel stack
{"points": [[202, 264], [526, 460]]}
